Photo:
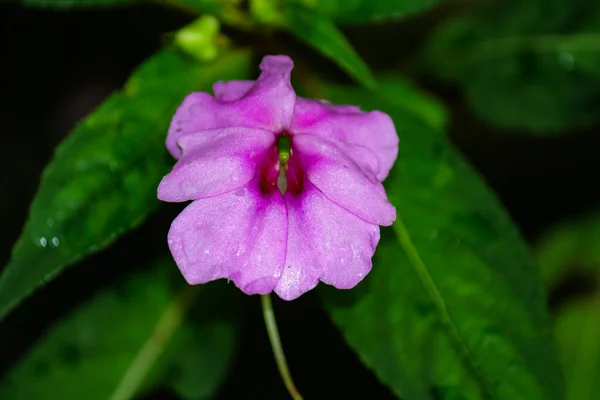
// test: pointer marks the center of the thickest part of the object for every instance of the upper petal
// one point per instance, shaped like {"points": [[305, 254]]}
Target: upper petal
{"points": [[334, 172], [215, 162], [240, 235], [373, 130], [325, 242], [231, 90], [267, 104]]}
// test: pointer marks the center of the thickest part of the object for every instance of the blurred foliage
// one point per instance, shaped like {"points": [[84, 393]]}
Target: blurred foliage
{"points": [[454, 294], [525, 65], [571, 245], [66, 4], [361, 11], [321, 33], [102, 180], [129, 338], [578, 340]]}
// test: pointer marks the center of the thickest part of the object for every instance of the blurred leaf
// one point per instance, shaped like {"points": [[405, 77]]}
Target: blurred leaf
{"points": [[321, 33], [228, 11], [102, 180], [454, 308], [577, 331], [570, 245], [135, 336], [76, 3], [356, 11], [530, 65], [200, 38]]}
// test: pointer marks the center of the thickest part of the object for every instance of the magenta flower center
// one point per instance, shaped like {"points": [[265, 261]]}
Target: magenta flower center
{"points": [[282, 168]]}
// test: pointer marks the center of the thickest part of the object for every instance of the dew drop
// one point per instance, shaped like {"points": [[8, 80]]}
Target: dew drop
{"points": [[43, 242], [50, 222], [55, 241]]}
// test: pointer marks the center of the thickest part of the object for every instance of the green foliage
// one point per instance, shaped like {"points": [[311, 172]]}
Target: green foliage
{"points": [[133, 337], [526, 65], [577, 331], [454, 307], [321, 33], [102, 180], [360, 11], [570, 245]]}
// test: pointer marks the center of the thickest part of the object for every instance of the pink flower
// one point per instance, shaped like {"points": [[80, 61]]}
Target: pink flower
{"points": [[286, 191]]}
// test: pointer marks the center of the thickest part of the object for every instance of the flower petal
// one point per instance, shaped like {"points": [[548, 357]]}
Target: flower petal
{"points": [[214, 163], [240, 235], [231, 90], [335, 173], [373, 130], [325, 242], [268, 104]]}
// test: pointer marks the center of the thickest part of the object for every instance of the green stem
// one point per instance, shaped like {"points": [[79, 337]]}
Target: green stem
{"points": [[271, 324], [162, 333]]}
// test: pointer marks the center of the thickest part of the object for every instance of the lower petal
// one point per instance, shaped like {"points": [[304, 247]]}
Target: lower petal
{"points": [[240, 235], [325, 242]]}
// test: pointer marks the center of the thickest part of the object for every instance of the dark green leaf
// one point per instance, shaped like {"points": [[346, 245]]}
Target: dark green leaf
{"points": [[130, 338], [353, 11], [577, 331], [570, 245], [454, 307], [321, 33], [102, 180], [530, 65]]}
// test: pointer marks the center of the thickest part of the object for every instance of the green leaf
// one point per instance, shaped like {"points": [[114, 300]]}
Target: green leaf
{"points": [[577, 331], [572, 244], [76, 3], [320, 33], [357, 11], [453, 308], [525, 65], [130, 338], [102, 180]]}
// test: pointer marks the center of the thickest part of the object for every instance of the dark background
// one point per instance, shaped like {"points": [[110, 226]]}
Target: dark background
{"points": [[57, 66]]}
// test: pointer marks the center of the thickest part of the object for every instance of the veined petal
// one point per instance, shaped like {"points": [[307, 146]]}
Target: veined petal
{"points": [[334, 172], [214, 163], [325, 242], [240, 235], [268, 104], [373, 130]]}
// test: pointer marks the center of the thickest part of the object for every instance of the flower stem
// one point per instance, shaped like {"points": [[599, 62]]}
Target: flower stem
{"points": [[271, 325]]}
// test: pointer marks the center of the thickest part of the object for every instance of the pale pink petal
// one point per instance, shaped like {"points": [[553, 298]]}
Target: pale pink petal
{"points": [[240, 235], [325, 242], [268, 104], [215, 162], [335, 173], [231, 90], [373, 130]]}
